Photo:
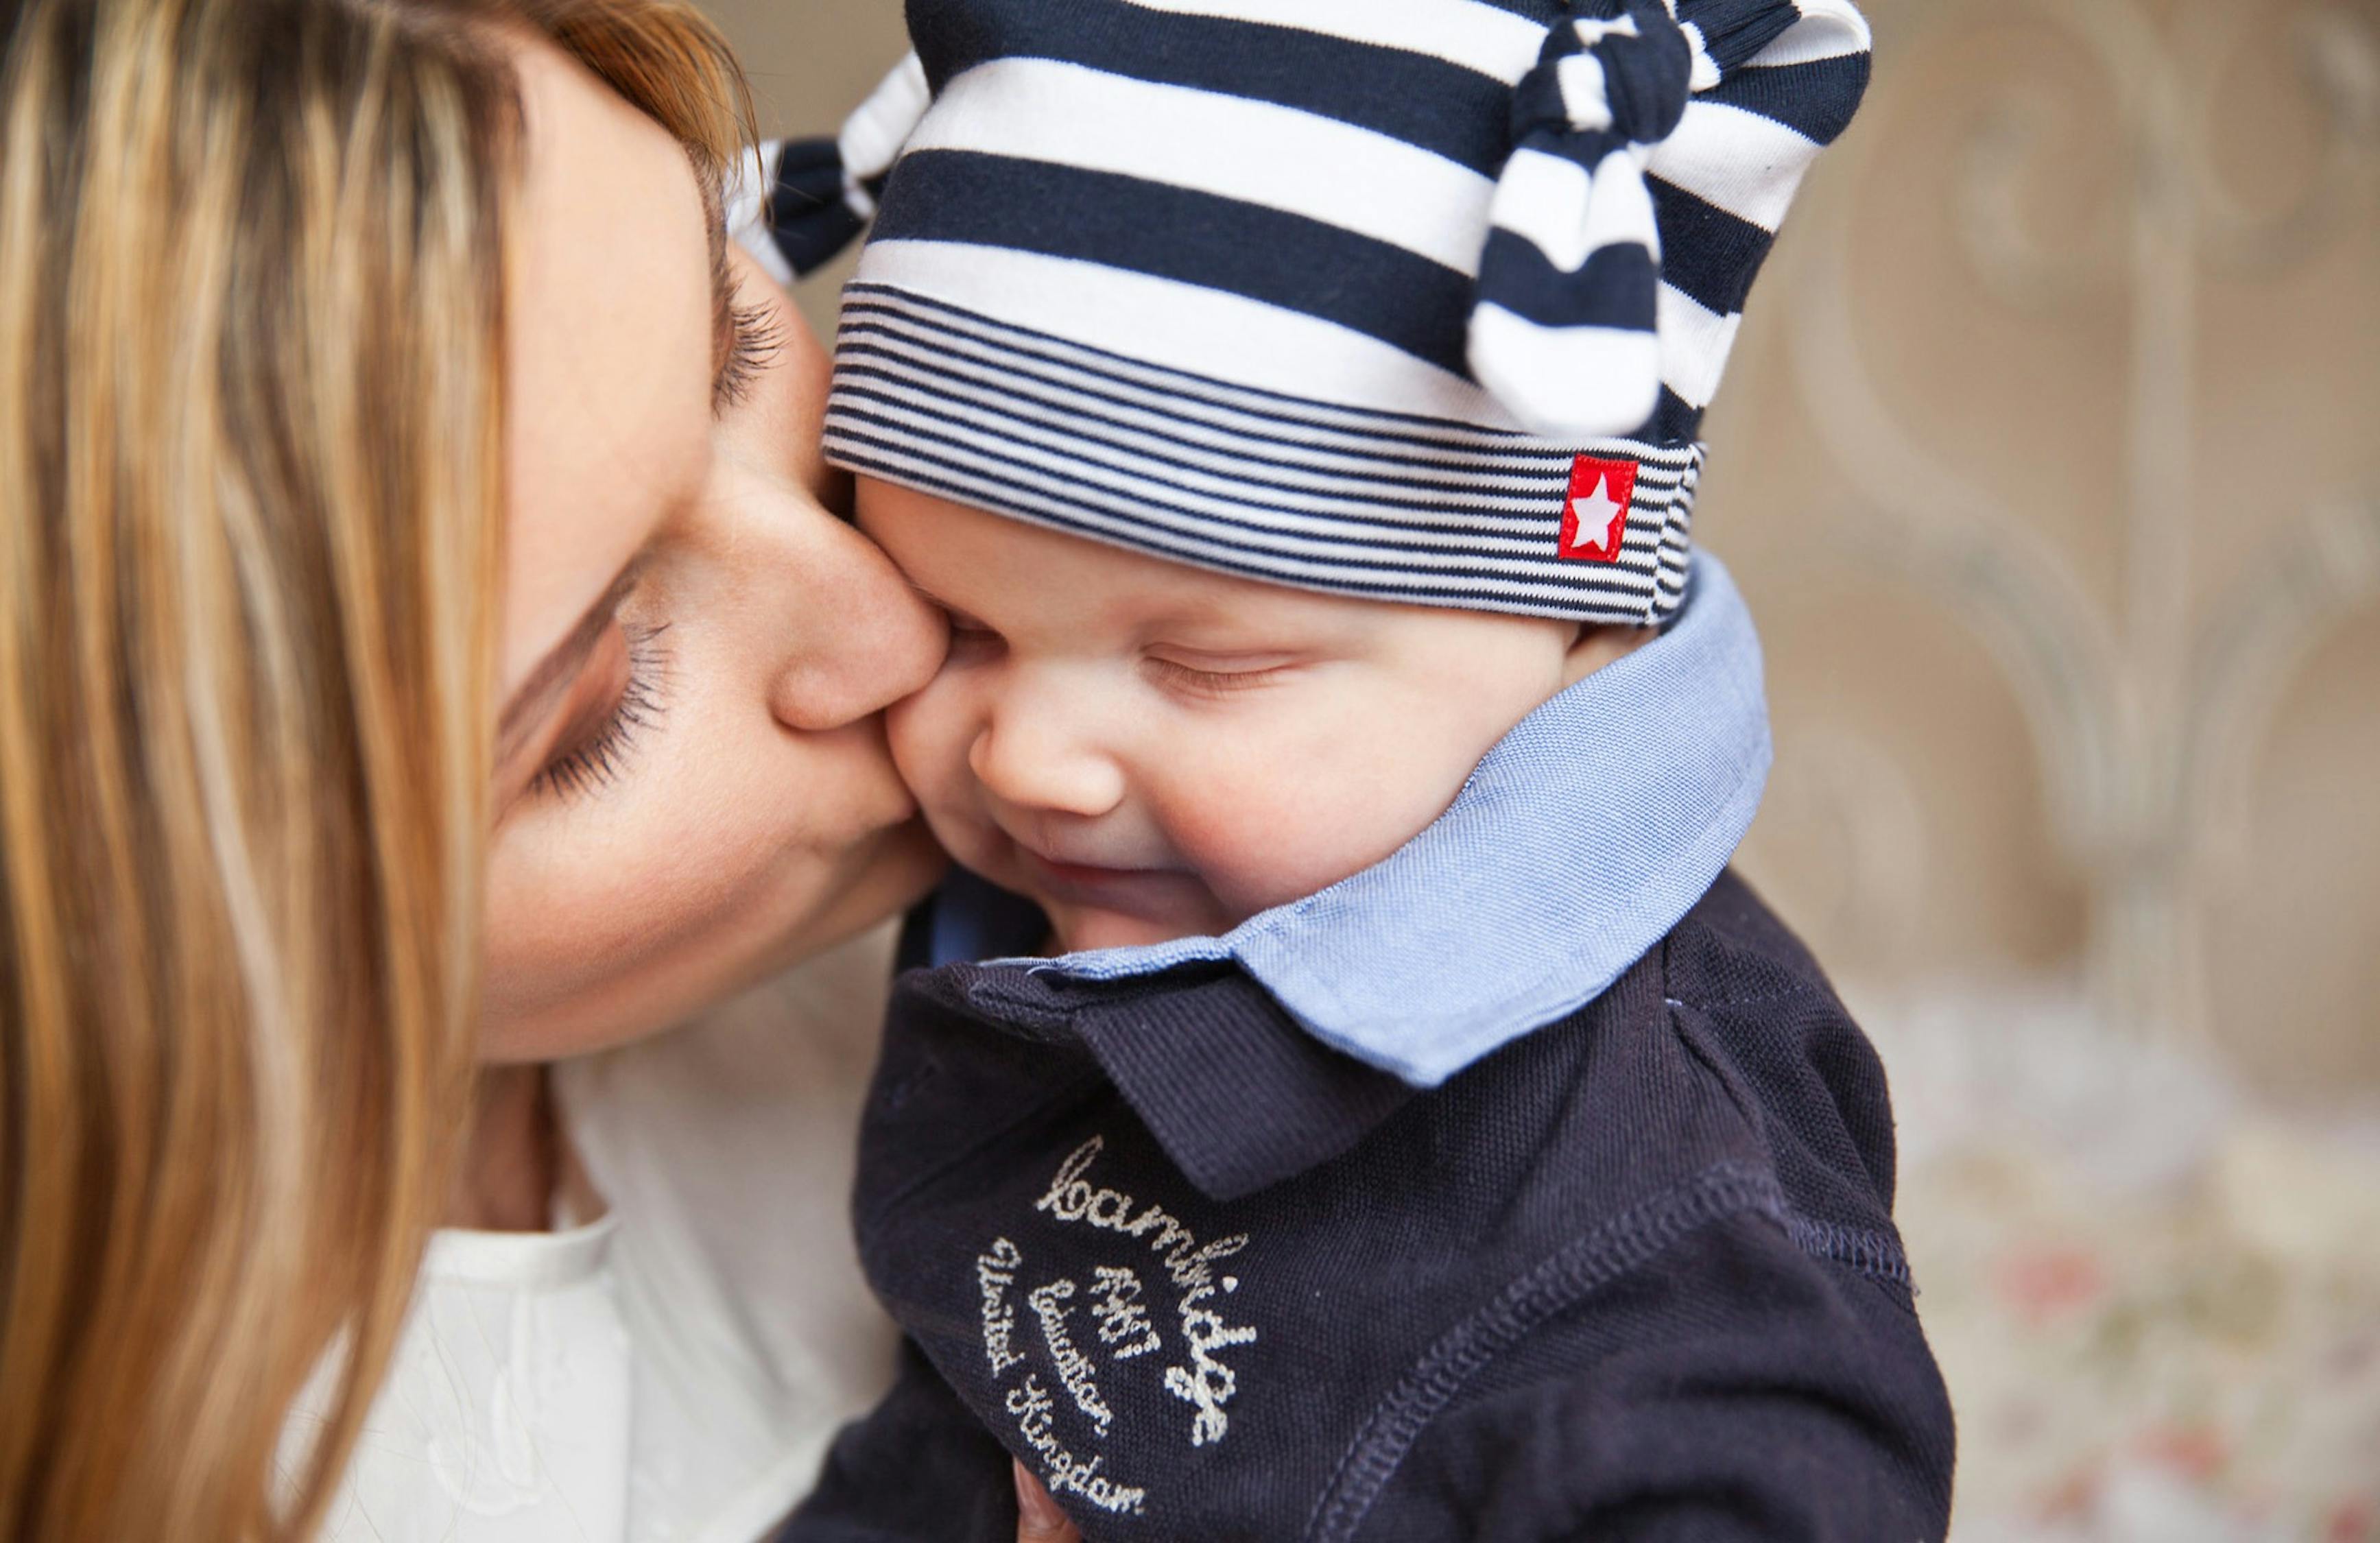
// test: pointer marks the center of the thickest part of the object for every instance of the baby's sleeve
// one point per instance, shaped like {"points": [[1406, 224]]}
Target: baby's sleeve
{"points": [[1735, 1388], [917, 1469]]}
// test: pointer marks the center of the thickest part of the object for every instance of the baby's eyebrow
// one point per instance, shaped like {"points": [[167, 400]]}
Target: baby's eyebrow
{"points": [[1234, 615]]}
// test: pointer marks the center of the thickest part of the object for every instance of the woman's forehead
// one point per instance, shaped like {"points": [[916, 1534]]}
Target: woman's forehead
{"points": [[609, 343]]}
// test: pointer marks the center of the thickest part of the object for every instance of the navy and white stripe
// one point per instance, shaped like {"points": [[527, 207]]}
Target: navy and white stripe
{"points": [[1584, 313], [1384, 505], [1509, 226], [822, 192]]}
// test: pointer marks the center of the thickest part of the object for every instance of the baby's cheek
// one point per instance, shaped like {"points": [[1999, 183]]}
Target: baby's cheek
{"points": [[1266, 824], [1264, 830], [928, 735]]}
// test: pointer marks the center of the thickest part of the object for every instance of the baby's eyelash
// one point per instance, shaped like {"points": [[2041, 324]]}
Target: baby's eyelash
{"points": [[599, 761], [754, 335], [1216, 683]]}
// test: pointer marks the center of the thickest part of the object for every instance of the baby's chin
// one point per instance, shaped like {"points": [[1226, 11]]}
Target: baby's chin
{"points": [[1079, 930], [1093, 909], [1132, 915]]}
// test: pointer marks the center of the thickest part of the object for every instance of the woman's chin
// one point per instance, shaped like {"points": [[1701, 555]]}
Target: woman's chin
{"points": [[600, 993], [903, 864], [888, 875]]}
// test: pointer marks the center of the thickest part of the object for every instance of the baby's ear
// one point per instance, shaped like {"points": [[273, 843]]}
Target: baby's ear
{"points": [[1597, 645]]}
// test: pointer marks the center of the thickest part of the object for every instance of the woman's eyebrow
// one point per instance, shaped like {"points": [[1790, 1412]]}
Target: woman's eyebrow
{"points": [[724, 323], [535, 695]]}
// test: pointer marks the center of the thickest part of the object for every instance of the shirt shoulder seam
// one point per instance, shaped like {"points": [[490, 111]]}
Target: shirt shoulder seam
{"points": [[1871, 1251], [1755, 998]]}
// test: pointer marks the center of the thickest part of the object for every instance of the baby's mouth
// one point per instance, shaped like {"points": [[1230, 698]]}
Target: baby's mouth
{"points": [[1136, 890], [1087, 873]]}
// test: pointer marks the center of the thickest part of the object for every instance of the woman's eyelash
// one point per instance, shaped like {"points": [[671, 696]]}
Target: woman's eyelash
{"points": [[754, 335], [598, 761]]}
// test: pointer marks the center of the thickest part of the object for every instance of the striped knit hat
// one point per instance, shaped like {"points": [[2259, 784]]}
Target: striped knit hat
{"points": [[1416, 301]]}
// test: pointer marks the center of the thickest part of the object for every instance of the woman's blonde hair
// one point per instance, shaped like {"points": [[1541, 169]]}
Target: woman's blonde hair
{"points": [[251, 322]]}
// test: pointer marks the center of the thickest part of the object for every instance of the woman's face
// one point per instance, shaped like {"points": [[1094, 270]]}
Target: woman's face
{"points": [[693, 786]]}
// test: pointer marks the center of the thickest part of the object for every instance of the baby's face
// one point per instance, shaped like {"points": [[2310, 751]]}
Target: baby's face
{"points": [[1153, 751]]}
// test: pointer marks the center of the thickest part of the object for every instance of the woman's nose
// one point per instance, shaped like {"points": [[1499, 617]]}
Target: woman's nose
{"points": [[860, 638], [1032, 752]]}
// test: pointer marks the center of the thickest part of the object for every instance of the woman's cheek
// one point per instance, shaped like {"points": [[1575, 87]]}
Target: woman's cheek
{"points": [[721, 849], [591, 891]]}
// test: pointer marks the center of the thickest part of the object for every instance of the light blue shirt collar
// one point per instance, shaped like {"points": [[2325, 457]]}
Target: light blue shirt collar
{"points": [[1580, 840]]}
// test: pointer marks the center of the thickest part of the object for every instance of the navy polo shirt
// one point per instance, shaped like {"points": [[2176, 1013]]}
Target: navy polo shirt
{"points": [[1533, 1185]]}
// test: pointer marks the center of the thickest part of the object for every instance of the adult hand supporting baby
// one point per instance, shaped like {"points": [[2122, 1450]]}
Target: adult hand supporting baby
{"points": [[1038, 1520]]}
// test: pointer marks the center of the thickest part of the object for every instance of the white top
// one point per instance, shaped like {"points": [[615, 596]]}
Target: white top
{"points": [[673, 1372]]}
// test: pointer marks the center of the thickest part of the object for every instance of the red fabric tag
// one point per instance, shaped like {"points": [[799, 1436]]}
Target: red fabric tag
{"points": [[1594, 516]]}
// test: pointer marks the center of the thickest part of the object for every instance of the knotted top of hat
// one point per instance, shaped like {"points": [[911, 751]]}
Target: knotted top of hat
{"points": [[1394, 298]]}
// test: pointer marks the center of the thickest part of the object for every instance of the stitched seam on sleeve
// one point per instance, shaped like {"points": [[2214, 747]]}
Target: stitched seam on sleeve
{"points": [[1869, 1252], [1604, 1254], [1865, 1249]]}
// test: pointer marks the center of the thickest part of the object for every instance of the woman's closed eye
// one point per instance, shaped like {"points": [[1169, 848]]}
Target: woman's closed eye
{"points": [[754, 335], [618, 700]]}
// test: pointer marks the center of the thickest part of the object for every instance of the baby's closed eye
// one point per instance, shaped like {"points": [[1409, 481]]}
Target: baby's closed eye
{"points": [[1198, 672]]}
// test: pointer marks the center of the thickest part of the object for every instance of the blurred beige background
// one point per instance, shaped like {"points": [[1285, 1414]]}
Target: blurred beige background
{"points": [[2051, 461], [810, 62]]}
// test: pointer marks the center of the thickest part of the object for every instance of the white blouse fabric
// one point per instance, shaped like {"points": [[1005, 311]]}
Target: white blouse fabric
{"points": [[674, 1371]]}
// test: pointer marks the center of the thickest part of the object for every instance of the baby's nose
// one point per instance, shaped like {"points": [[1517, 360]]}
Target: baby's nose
{"points": [[1039, 760]]}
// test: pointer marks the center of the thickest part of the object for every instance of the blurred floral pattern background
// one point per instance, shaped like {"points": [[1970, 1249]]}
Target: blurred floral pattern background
{"points": [[2050, 462]]}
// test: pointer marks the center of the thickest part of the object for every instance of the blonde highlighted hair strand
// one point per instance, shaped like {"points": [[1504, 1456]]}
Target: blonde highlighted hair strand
{"points": [[251, 344]]}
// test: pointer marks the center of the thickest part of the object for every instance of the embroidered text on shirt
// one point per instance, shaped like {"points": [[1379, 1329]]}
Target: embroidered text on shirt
{"points": [[1206, 1383], [1062, 1470], [1075, 1368], [995, 1271], [1119, 1312]]}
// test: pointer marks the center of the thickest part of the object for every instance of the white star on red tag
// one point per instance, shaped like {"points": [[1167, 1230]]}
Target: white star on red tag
{"points": [[1594, 514], [1595, 509]]}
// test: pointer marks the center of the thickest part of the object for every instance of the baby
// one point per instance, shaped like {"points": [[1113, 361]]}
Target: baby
{"points": [[1381, 1117]]}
